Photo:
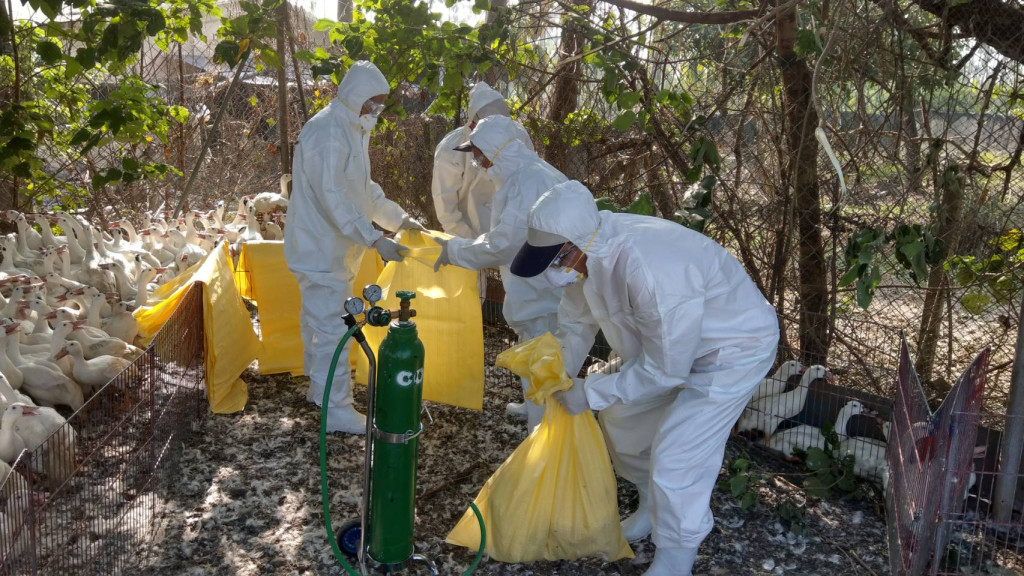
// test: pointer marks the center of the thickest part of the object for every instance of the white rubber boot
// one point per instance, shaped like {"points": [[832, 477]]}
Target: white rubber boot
{"points": [[516, 410], [638, 525], [672, 562], [346, 419]]}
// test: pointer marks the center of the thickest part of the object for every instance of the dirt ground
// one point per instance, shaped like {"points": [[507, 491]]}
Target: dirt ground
{"points": [[245, 499]]}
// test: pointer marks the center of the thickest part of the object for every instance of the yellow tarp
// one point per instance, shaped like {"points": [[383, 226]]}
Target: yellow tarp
{"points": [[231, 344], [554, 498], [448, 319], [262, 276]]}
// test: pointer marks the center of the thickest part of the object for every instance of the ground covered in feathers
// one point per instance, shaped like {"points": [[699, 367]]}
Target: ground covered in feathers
{"points": [[245, 499]]}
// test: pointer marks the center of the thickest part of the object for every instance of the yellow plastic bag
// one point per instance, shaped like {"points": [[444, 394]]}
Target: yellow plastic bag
{"points": [[231, 344], [448, 320], [555, 497]]}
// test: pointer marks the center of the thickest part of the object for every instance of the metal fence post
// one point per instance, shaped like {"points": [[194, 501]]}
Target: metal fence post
{"points": [[1013, 436]]}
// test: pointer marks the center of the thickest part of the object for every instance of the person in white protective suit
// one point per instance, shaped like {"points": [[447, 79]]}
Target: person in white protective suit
{"points": [[333, 204], [695, 335], [499, 145], [462, 191]]}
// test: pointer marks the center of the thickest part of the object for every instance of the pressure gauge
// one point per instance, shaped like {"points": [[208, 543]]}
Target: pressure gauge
{"points": [[354, 306], [372, 293]]}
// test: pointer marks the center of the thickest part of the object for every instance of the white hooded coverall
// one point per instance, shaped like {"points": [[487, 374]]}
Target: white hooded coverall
{"points": [[462, 192], [521, 176], [332, 205], [695, 335]]}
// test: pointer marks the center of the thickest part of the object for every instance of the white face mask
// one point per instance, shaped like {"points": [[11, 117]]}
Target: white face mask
{"points": [[367, 122], [562, 277]]}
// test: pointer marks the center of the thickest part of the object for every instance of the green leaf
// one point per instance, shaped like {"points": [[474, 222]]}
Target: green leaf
{"points": [[606, 204], [226, 52], [624, 121], [49, 52], [817, 459], [86, 57], [807, 43], [816, 487], [354, 46], [179, 113], [643, 206], [748, 501], [851, 275], [975, 302], [271, 58], [628, 99], [737, 485]]}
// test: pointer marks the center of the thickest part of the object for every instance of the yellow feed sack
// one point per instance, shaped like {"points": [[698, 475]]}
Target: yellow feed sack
{"points": [[447, 318], [555, 497]]}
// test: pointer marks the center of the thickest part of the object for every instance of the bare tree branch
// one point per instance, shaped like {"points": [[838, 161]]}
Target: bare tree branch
{"points": [[729, 17]]}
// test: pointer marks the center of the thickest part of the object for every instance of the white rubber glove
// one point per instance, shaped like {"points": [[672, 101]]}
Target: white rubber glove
{"points": [[389, 249], [410, 223], [574, 400], [442, 258]]}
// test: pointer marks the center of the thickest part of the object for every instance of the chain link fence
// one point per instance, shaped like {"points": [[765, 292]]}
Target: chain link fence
{"points": [[913, 226]]}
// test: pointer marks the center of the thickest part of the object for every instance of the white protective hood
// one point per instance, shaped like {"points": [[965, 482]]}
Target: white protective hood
{"points": [[483, 96], [362, 82], [334, 199], [673, 303], [522, 177], [462, 192]]}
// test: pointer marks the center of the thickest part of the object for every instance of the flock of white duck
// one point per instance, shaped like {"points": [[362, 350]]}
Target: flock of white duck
{"points": [[68, 288], [772, 405]]}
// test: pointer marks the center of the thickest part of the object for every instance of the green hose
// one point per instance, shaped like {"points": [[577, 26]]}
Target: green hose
{"points": [[325, 499], [323, 454]]}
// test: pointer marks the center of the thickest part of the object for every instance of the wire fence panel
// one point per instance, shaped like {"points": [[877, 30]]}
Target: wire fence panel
{"points": [[82, 502], [930, 456]]}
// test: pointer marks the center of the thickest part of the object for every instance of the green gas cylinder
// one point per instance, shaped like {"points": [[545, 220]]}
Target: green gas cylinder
{"points": [[397, 425]]}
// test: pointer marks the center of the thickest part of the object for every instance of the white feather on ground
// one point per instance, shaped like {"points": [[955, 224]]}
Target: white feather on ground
{"points": [[246, 497]]}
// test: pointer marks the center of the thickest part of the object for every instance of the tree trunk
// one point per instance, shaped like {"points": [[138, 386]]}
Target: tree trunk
{"points": [[565, 96], [658, 188], [911, 145], [802, 150], [496, 75], [282, 88], [950, 207]]}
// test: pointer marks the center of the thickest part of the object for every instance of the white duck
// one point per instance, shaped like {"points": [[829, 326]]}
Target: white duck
{"points": [[90, 272], [72, 234], [39, 426], [776, 383], [43, 381], [94, 347], [805, 436], [46, 233], [95, 372], [122, 324], [767, 413], [868, 455]]}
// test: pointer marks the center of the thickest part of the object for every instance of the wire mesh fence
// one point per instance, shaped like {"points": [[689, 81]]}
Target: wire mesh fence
{"points": [[930, 458], [921, 232], [83, 500]]}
